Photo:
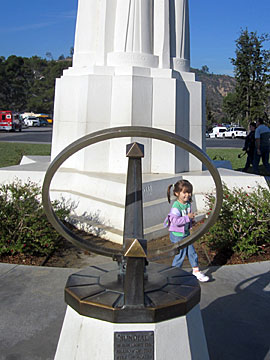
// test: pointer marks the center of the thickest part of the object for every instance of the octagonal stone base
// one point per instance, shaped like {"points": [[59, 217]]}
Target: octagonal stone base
{"points": [[84, 338], [98, 292]]}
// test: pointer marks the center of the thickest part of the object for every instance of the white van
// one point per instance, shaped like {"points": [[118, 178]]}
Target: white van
{"points": [[236, 132], [218, 132], [31, 121]]}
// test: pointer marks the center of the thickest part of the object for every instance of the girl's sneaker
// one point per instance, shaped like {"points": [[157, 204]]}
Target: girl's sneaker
{"points": [[200, 276]]}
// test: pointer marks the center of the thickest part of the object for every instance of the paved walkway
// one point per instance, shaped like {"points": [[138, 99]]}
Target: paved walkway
{"points": [[235, 308]]}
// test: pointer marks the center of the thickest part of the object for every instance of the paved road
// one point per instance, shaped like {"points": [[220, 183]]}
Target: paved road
{"points": [[41, 135], [225, 143], [44, 135]]}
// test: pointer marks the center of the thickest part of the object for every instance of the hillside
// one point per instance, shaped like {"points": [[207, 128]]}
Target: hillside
{"points": [[216, 87]]}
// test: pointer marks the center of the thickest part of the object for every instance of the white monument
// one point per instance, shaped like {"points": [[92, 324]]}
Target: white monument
{"points": [[131, 66]]}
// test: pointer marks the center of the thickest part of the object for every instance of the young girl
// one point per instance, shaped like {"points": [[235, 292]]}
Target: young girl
{"points": [[179, 221]]}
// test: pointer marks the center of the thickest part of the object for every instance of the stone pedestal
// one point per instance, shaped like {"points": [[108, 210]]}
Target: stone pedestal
{"points": [[85, 338], [92, 99], [98, 324]]}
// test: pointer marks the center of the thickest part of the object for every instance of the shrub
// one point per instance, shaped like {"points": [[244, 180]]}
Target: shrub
{"points": [[243, 226], [24, 227]]}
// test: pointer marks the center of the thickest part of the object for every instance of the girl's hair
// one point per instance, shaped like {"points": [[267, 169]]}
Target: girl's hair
{"points": [[178, 187]]}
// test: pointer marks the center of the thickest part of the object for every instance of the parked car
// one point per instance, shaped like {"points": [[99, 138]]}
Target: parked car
{"points": [[31, 121], [50, 121], [46, 117], [236, 132], [43, 122], [217, 132]]}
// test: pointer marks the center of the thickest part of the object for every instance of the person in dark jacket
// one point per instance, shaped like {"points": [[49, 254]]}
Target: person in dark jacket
{"points": [[262, 147], [249, 146]]}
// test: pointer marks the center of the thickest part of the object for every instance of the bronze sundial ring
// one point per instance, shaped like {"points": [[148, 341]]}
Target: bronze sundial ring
{"points": [[131, 132]]}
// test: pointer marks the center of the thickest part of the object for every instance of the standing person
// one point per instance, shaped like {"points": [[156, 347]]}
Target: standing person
{"points": [[250, 146], [262, 136], [179, 221]]}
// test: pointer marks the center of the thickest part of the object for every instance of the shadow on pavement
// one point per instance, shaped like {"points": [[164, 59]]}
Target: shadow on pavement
{"points": [[237, 326]]}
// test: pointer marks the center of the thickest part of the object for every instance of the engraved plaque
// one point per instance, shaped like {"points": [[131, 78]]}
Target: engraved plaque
{"points": [[134, 345]]}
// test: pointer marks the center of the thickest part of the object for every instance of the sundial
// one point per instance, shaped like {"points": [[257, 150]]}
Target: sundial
{"points": [[131, 289]]}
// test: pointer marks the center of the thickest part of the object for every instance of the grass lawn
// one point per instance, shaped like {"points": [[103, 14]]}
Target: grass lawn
{"points": [[12, 153], [232, 156], [228, 154]]}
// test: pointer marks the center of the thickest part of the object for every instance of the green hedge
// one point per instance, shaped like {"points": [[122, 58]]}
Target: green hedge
{"points": [[24, 227], [243, 226]]}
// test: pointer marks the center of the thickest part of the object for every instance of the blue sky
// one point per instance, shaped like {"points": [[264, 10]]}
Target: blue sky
{"points": [[35, 27]]}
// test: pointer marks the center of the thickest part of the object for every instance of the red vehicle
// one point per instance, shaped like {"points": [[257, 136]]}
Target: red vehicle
{"points": [[10, 121]]}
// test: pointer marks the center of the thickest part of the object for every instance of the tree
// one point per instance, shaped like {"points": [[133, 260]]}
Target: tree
{"points": [[15, 79], [251, 69], [49, 55], [45, 72], [28, 83], [210, 119], [3, 82], [230, 106], [205, 69]]}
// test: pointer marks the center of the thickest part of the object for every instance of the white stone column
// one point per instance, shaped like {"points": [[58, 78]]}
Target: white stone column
{"points": [[133, 40], [162, 33], [86, 33], [101, 33], [105, 30], [181, 58]]}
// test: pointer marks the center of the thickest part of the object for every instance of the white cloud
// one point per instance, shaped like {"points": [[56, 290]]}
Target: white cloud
{"points": [[71, 14], [52, 20], [26, 27]]}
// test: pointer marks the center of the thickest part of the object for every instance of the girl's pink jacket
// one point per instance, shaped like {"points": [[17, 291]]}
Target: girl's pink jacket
{"points": [[175, 221]]}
